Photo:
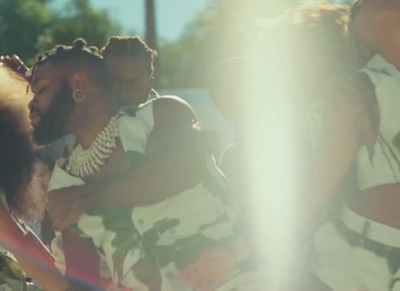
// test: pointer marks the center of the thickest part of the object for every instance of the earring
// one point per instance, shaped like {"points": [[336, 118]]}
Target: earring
{"points": [[76, 98]]}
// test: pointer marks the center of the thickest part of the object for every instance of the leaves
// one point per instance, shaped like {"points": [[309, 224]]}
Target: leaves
{"points": [[30, 27], [223, 30]]}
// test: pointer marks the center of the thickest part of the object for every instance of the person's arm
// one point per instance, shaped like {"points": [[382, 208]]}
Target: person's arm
{"points": [[166, 172], [30, 253], [348, 124], [81, 260]]}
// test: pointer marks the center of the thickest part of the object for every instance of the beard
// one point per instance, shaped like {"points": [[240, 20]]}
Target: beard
{"points": [[52, 124]]}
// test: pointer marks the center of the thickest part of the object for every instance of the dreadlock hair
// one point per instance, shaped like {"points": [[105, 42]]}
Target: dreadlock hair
{"points": [[22, 176], [79, 56], [125, 46]]}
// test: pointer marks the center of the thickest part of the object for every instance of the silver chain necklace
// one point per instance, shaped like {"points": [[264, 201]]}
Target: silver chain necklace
{"points": [[83, 163]]}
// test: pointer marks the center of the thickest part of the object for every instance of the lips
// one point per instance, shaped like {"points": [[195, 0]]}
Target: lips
{"points": [[34, 116]]}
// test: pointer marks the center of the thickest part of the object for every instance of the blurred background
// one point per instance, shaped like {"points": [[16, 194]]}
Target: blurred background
{"points": [[190, 36]]}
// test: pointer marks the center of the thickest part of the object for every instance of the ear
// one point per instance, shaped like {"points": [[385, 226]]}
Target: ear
{"points": [[79, 80]]}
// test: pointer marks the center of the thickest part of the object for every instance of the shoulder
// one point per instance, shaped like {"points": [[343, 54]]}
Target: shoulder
{"points": [[347, 96], [349, 105], [162, 112], [172, 110]]}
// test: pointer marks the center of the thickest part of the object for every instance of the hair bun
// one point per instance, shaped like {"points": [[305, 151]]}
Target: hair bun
{"points": [[94, 49], [79, 43], [114, 39], [58, 49]]}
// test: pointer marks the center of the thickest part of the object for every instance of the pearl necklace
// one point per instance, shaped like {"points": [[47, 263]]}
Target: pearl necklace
{"points": [[83, 163]]}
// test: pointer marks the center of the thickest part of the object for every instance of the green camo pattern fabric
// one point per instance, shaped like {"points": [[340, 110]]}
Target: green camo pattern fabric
{"points": [[173, 232]]}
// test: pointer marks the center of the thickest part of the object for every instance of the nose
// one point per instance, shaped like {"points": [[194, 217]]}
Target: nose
{"points": [[32, 103], [123, 92]]}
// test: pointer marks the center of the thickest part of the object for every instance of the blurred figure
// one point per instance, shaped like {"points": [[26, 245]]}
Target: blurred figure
{"points": [[297, 127], [283, 107], [130, 64], [22, 179], [230, 89], [359, 249]]}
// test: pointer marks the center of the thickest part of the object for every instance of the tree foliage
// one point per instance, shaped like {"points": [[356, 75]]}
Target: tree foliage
{"points": [[226, 28], [30, 27], [79, 19], [20, 24]]}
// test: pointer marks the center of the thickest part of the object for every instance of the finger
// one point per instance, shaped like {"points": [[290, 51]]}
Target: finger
{"points": [[192, 275], [4, 59], [204, 281], [217, 280], [210, 285], [183, 275], [205, 284], [203, 278], [198, 284], [211, 277]]}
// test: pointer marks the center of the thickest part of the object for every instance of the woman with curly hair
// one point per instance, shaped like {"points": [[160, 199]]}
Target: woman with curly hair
{"points": [[300, 120], [360, 248], [21, 185]]}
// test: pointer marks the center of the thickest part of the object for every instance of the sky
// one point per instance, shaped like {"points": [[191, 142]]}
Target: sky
{"points": [[171, 15]]}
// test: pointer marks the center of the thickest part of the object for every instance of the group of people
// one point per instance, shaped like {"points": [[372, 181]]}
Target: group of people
{"points": [[305, 198]]}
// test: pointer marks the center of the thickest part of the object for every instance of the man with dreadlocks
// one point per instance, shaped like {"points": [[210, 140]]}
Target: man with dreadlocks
{"points": [[72, 96], [130, 64]]}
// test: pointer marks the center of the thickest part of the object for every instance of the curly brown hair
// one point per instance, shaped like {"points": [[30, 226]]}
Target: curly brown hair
{"points": [[307, 47], [18, 162]]}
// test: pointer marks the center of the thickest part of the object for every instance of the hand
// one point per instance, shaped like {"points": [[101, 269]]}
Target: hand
{"points": [[65, 207], [210, 270], [15, 64]]}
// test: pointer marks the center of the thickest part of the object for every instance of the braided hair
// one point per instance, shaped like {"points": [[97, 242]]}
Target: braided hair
{"points": [[124, 46], [79, 56]]}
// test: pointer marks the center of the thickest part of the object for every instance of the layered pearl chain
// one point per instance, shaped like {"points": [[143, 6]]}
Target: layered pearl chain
{"points": [[83, 163]]}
